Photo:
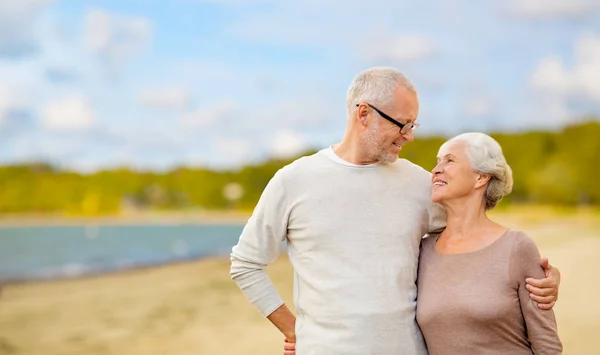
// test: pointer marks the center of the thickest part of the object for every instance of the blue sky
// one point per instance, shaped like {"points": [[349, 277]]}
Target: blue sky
{"points": [[219, 83]]}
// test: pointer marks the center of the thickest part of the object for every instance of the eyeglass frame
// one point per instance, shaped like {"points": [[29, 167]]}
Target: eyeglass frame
{"points": [[412, 126]]}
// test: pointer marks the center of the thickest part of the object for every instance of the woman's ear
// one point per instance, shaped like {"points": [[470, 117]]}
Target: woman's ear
{"points": [[482, 179]]}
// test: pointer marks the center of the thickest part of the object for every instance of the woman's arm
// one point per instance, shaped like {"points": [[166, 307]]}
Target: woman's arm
{"points": [[540, 324]]}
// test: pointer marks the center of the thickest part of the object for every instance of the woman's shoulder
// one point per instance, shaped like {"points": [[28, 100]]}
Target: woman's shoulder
{"points": [[524, 256], [521, 241]]}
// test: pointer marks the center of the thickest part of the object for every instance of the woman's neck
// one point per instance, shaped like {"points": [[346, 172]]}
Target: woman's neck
{"points": [[466, 220]]}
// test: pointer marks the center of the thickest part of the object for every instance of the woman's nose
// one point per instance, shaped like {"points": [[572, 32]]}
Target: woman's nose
{"points": [[437, 169]]}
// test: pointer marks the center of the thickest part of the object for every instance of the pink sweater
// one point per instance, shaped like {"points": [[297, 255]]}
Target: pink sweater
{"points": [[477, 303]]}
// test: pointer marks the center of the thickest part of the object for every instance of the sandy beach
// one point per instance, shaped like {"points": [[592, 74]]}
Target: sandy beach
{"points": [[194, 308]]}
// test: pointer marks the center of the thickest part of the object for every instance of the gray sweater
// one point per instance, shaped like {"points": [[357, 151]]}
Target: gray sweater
{"points": [[353, 235], [485, 307]]}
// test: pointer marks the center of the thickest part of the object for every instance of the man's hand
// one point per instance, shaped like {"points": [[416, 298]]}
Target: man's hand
{"points": [[289, 348], [545, 291]]}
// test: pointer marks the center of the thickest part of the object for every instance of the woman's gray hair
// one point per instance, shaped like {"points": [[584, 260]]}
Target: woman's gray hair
{"points": [[486, 157], [377, 87]]}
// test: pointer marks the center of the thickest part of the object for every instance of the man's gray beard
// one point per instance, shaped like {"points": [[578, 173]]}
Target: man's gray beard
{"points": [[377, 150], [387, 157]]}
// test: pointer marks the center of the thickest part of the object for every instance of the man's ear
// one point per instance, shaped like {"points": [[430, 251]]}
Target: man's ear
{"points": [[482, 179], [362, 115]]}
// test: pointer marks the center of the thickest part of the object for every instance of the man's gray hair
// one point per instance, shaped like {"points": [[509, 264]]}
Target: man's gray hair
{"points": [[486, 157], [377, 87]]}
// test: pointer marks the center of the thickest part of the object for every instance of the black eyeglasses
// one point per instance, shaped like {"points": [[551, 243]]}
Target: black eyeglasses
{"points": [[404, 128]]}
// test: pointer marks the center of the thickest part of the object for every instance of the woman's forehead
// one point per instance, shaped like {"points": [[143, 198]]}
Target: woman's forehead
{"points": [[455, 148]]}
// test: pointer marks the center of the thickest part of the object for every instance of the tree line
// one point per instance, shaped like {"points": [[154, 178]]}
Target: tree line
{"points": [[548, 167]]}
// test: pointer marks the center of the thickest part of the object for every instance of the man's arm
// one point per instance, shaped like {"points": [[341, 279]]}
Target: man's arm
{"points": [[258, 247], [285, 321], [437, 218], [545, 291]]}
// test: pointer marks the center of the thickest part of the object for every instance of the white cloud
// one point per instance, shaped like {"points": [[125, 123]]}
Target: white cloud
{"points": [[550, 75], [10, 101], [287, 144], [557, 87], [98, 30], [115, 37], [17, 26], [154, 137], [587, 69], [232, 151], [540, 113], [478, 107], [280, 30], [312, 23], [554, 8], [401, 47], [554, 113], [411, 47], [582, 81], [168, 97], [289, 114], [15, 10], [205, 117], [69, 113]]}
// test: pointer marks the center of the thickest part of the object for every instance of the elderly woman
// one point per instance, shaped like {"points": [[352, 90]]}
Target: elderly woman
{"points": [[478, 265]]}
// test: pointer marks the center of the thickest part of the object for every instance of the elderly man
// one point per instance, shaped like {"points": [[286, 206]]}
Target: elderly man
{"points": [[353, 216]]}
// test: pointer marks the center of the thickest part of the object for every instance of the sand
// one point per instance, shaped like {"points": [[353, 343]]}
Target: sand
{"points": [[194, 308]]}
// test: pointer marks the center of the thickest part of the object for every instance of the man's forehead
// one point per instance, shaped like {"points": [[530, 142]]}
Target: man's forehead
{"points": [[407, 109], [406, 113]]}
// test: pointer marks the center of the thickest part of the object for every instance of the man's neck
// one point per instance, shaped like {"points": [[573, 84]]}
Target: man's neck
{"points": [[351, 152]]}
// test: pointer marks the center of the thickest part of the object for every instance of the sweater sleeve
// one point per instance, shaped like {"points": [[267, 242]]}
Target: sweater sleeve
{"points": [[437, 213], [540, 324], [259, 246], [437, 218]]}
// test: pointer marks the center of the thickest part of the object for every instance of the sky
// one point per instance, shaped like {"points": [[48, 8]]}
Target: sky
{"points": [[153, 85]]}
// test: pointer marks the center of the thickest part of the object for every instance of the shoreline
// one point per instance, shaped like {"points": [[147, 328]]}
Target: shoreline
{"points": [[108, 272], [124, 219], [231, 217]]}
